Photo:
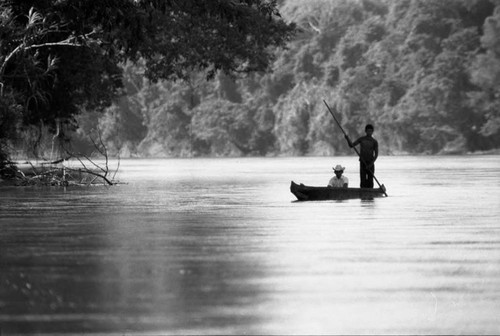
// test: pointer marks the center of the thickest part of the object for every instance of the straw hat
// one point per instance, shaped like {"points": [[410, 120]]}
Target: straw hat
{"points": [[338, 168]]}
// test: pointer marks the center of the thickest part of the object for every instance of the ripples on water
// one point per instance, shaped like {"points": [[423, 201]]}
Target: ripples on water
{"points": [[219, 246]]}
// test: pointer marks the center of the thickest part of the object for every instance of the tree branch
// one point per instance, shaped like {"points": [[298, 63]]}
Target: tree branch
{"points": [[71, 41]]}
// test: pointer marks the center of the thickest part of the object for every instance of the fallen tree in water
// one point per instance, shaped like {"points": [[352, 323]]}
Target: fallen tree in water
{"points": [[72, 169], [67, 172]]}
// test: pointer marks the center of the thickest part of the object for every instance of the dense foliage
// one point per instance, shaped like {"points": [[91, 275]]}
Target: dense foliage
{"points": [[60, 59], [425, 72]]}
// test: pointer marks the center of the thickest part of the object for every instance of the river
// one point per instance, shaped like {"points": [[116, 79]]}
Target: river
{"points": [[219, 246]]}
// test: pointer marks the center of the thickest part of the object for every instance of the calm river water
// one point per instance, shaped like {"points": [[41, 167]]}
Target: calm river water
{"points": [[219, 246]]}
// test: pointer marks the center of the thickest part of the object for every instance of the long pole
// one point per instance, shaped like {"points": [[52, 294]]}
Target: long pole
{"points": [[355, 149]]}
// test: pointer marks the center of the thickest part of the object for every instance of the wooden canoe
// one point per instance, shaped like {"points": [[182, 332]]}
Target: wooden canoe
{"points": [[308, 193]]}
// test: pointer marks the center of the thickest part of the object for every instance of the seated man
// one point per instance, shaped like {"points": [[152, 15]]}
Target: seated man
{"points": [[339, 180]]}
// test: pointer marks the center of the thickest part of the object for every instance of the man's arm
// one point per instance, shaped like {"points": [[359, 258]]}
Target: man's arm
{"points": [[352, 144]]}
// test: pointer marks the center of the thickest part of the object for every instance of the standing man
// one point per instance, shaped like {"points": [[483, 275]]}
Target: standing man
{"points": [[367, 156]]}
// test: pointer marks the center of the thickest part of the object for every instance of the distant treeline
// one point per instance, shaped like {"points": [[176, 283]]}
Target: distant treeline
{"points": [[426, 73]]}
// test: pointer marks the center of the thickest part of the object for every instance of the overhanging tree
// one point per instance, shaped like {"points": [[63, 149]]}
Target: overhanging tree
{"points": [[60, 57]]}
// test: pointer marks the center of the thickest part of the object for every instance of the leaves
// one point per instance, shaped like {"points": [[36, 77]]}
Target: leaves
{"points": [[58, 58], [425, 72], [34, 18]]}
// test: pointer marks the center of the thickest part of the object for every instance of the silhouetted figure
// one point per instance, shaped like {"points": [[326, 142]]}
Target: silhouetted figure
{"points": [[367, 156]]}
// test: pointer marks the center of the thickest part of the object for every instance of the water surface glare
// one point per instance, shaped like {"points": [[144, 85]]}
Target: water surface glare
{"points": [[219, 246]]}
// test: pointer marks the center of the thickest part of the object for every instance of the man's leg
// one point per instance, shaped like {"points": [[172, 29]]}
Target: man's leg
{"points": [[362, 175], [370, 174]]}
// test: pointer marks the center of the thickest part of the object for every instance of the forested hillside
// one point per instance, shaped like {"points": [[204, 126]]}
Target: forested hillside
{"points": [[426, 73]]}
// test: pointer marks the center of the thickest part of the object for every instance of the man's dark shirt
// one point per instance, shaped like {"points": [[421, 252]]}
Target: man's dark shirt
{"points": [[368, 148]]}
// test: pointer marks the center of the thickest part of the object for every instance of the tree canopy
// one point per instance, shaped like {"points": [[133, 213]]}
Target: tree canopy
{"points": [[59, 58], [425, 72]]}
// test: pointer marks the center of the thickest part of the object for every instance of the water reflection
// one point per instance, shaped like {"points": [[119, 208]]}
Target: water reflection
{"points": [[174, 270]]}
